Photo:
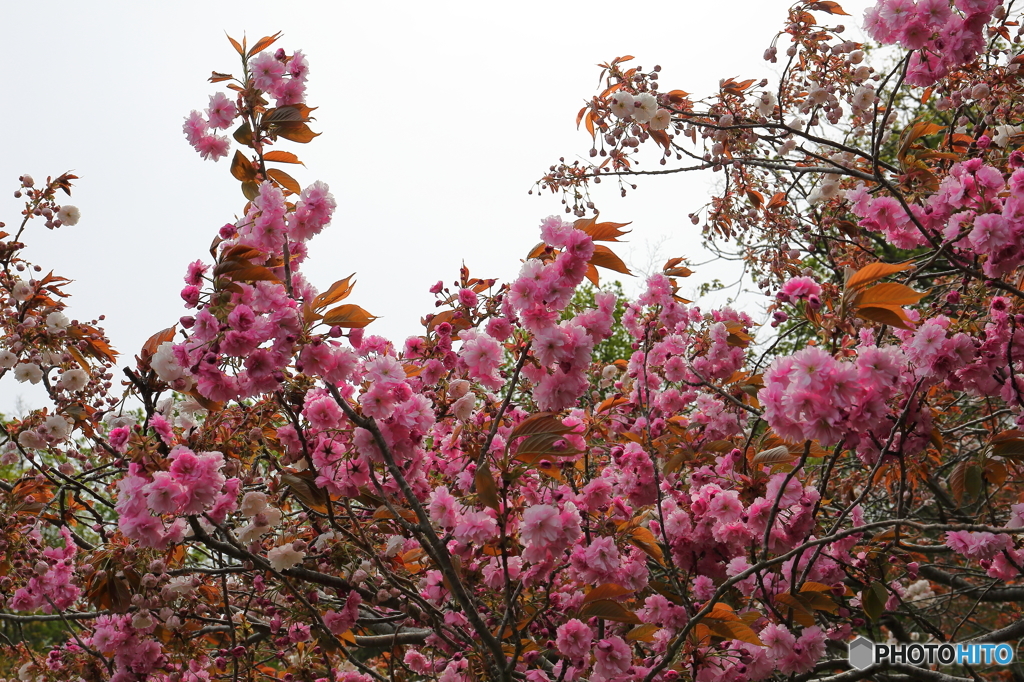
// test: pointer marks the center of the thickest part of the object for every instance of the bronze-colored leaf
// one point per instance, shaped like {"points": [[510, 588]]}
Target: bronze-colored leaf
{"points": [[243, 134], [242, 168], [888, 293], [828, 6], [301, 485], [250, 190], [890, 315], [284, 180], [338, 291], [264, 43], [606, 591], [296, 132], [604, 257], [542, 422], [733, 629], [609, 610], [780, 454], [286, 114], [486, 489], [238, 48], [873, 600], [644, 539], [282, 157], [349, 316], [874, 272], [642, 633]]}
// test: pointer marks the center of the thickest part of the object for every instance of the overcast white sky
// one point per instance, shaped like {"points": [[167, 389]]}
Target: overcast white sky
{"points": [[437, 118]]}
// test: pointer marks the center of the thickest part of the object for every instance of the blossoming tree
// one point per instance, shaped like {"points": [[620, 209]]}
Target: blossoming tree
{"points": [[299, 499]]}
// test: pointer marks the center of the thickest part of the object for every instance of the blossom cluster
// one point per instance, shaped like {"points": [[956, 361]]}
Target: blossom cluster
{"points": [[942, 39]]}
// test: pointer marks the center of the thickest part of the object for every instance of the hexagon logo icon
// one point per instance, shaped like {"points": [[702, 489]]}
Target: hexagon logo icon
{"points": [[862, 653]]}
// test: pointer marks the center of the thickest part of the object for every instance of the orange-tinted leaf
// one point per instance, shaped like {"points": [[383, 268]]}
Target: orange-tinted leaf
{"points": [[303, 487], [545, 444], [218, 77], [250, 190], [593, 275], [733, 629], [828, 6], [890, 315], [282, 157], [606, 591], [609, 610], [243, 134], [244, 271], [609, 403], [264, 43], [1009, 444], [285, 180], [296, 132], [889, 293], [338, 291], [874, 272], [241, 168], [537, 251], [542, 422], [238, 48], [644, 539], [604, 257], [778, 200], [606, 232], [289, 113], [486, 490], [642, 633], [777, 455], [801, 613], [155, 341], [349, 316]]}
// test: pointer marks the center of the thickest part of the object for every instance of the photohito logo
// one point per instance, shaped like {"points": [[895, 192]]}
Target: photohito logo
{"points": [[864, 652]]}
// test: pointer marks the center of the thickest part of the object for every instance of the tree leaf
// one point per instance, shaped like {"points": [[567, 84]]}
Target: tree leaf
{"points": [[873, 600], [777, 455], [241, 167], [606, 591], [1009, 444], [644, 539], [243, 134], [285, 180], [733, 629], [542, 422], [348, 316], [545, 445], [302, 486], [263, 43], [604, 257], [289, 113], [889, 293], [338, 291], [873, 272], [609, 610], [957, 480], [486, 489], [827, 6], [890, 315], [281, 157], [234, 44], [156, 340], [606, 232], [296, 132], [642, 633], [799, 610], [244, 271]]}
